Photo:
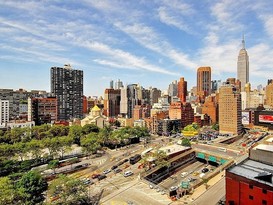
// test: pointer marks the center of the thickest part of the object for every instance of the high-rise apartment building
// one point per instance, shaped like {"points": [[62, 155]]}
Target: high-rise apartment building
{"points": [[4, 112], [251, 99], [203, 82], [118, 84], [111, 102], [154, 95], [243, 66], [182, 90], [230, 112], [67, 86]]}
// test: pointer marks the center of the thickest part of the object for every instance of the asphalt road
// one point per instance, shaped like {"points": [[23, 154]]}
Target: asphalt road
{"points": [[213, 194]]}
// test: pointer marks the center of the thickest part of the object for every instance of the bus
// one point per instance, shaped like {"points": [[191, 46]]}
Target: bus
{"points": [[146, 151], [135, 159], [68, 161]]}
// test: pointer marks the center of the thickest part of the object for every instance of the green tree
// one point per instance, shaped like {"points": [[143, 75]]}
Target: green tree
{"points": [[104, 134], [65, 144], [75, 132], [90, 143], [215, 126], [71, 191], [88, 128], [35, 147], [30, 188], [186, 142], [8, 191], [53, 164], [20, 149]]}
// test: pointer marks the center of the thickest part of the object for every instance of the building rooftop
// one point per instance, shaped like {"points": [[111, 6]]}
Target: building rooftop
{"points": [[171, 149], [254, 170], [269, 139], [264, 147]]}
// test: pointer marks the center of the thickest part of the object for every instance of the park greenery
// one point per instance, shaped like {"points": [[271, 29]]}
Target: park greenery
{"points": [[24, 148], [190, 130]]}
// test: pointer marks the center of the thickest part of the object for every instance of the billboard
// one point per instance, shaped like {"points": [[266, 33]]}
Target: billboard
{"points": [[245, 118], [266, 119]]}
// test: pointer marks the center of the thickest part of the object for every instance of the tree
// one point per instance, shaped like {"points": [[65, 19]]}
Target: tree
{"points": [[53, 164], [90, 143], [75, 132], [186, 142], [105, 134], [88, 128], [35, 147], [65, 143], [30, 188], [8, 192], [20, 149], [71, 191], [215, 126]]}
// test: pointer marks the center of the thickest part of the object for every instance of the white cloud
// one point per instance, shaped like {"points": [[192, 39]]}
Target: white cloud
{"points": [[148, 38]]}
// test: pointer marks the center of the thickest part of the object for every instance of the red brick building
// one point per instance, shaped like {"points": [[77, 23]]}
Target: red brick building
{"points": [[182, 90], [210, 107], [43, 110]]}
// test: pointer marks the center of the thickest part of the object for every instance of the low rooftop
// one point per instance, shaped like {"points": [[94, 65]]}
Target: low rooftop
{"points": [[254, 170]]}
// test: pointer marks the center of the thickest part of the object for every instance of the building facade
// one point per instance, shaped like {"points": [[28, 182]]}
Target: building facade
{"points": [[210, 107], [112, 102], [67, 86], [230, 112], [42, 110], [203, 82], [4, 112], [243, 66], [182, 90]]}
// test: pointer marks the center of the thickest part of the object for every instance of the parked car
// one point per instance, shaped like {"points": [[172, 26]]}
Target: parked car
{"points": [[173, 188], [102, 176], [127, 173], [114, 167], [117, 170], [205, 170], [106, 171], [183, 174], [94, 176]]}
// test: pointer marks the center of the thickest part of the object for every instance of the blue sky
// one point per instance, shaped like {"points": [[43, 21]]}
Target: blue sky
{"points": [[151, 42]]}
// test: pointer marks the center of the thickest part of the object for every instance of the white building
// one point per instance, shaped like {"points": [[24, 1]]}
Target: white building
{"points": [[4, 112]]}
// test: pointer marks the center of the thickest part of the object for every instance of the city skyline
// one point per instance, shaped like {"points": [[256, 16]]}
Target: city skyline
{"points": [[146, 42]]}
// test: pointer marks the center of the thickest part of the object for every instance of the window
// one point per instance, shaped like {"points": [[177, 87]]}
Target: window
{"points": [[250, 197], [231, 203], [264, 191], [251, 186], [264, 202]]}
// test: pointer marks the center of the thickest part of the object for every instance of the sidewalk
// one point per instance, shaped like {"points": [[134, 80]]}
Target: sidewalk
{"points": [[189, 199]]}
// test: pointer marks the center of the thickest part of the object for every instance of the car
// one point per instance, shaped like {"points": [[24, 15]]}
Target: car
{"points": [[114, 167], [191, 179], [106, 171], [94, 176], [101, 176], [151, 186], [163, 192], [125, 160], [87, 181], [183, 174], [173, 188], [120, 163], [205, 170], [117, 170], [128, 173]]}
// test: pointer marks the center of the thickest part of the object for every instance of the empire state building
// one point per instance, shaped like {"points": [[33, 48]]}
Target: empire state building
{"points": [[243, 66]]}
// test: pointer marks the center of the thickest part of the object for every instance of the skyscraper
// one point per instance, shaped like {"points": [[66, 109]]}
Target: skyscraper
{"points": [[67, 86], [243, 66], [230, 112], [182, 90], [203, 82]]}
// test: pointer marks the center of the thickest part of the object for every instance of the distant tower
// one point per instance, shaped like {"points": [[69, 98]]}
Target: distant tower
{"points": [[111, 84], [203, 82], [243, 66], [182, 90]]}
